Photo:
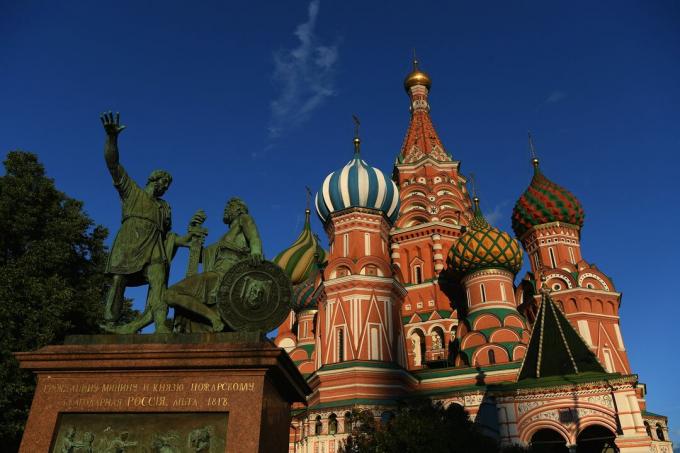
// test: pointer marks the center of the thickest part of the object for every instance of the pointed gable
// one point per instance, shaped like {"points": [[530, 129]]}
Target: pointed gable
{"points": [[555, 348]]}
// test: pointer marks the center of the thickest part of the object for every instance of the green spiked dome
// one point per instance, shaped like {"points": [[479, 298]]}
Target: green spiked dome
{"points": [[298, 260], [545, 202], [483, 246]]}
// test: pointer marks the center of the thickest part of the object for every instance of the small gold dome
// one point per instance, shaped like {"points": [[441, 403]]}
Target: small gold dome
{"points": [[417, 77]]}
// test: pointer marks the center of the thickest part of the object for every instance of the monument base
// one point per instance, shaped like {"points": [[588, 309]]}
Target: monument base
{"points": [[226, 392]]}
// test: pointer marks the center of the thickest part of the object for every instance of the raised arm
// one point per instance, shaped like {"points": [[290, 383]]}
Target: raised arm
{"points": [[112, 127]]}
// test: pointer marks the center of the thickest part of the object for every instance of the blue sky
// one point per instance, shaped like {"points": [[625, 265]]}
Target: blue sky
{"points": [[255, 99]]}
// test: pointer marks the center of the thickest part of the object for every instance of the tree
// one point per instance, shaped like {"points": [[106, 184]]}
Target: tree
{"points": [[420, 426], [51, 280]]}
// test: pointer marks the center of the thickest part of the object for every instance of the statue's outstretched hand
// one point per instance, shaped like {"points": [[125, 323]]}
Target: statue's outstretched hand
{"points": [[198, 218], [111, 124]]}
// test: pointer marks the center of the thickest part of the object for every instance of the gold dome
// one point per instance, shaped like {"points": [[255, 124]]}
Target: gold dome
{"points": [[417, 77]]}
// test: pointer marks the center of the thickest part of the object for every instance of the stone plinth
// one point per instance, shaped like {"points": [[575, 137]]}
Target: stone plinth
{"points": [[197, 392]]}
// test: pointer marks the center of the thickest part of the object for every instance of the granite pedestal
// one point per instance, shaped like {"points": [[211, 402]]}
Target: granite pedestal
{"points": [[227, 392]]}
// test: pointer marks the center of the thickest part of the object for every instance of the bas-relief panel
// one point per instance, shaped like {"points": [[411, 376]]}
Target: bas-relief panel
{"points": [[141, 433]]}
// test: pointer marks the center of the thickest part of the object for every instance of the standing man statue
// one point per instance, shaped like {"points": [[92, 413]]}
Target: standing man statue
{"points": [[144, 245]]}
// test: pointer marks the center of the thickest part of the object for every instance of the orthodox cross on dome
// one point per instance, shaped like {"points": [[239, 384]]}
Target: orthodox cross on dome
{"points": [[472, 185], [309, 196], [532, 150], [357, 141]]}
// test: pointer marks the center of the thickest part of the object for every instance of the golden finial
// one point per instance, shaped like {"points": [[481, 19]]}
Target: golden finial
{"points": [[532, 150], [416, 77], [357, 140]]}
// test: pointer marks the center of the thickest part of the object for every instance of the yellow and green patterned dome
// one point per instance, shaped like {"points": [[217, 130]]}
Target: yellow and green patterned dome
{"points": [[484, 246], [299, 260]]}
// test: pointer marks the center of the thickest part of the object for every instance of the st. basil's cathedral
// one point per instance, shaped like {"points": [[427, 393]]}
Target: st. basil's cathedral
{"points": [[416, 298]]}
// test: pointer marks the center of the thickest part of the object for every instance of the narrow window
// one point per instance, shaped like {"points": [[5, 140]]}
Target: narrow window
{"points": [[467, 293], [659, 432], [492, 357], [571, 255], [341, 345], [418, 275], [332, 424], [367, 244], [318, 426], [347, 423], [304, 329], [483, 290], [345, 248], [552, 256], [503, 292], [537, 262]]}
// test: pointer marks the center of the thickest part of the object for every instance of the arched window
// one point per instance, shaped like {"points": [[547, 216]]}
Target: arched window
{"points": [[437, 337], [659, 432], [332, 424], [483, 290], [318, 426], [347, 419], [648, 429], [492, 357]]}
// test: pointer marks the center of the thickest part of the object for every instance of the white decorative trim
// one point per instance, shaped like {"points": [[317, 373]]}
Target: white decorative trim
{"points": [[591, 275]]}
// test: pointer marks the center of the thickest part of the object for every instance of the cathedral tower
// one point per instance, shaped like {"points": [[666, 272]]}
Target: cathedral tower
{"points": [[547, 219], [359, 327], [434, 208], [491, 330]]}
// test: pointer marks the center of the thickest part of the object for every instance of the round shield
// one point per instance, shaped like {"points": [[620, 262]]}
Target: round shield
{"points": [[254, 297]]}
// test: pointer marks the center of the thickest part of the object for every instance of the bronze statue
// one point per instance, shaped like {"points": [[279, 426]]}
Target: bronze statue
{"points": [[236, 290], [144, 245], [197, 294]]}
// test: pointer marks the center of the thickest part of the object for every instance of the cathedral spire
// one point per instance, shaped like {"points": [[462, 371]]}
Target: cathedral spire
{"points": [[421, 138]]}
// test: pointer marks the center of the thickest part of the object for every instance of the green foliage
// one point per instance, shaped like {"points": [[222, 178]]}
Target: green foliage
{"points": [[51, 281], [421, 426]]}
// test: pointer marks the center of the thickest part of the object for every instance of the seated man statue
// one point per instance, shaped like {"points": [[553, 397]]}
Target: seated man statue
{"points": [[195, 297]]}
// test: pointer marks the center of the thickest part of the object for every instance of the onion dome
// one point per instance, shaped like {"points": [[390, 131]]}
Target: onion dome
{"points": [[417, 77], [357, 185], [483, 246], [302, 294], [299, 260], [545, 202]]}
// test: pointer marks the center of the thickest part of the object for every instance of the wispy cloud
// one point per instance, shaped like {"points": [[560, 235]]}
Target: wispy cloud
{"points": [[555, 96], [496, 213], [305, 75]]}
